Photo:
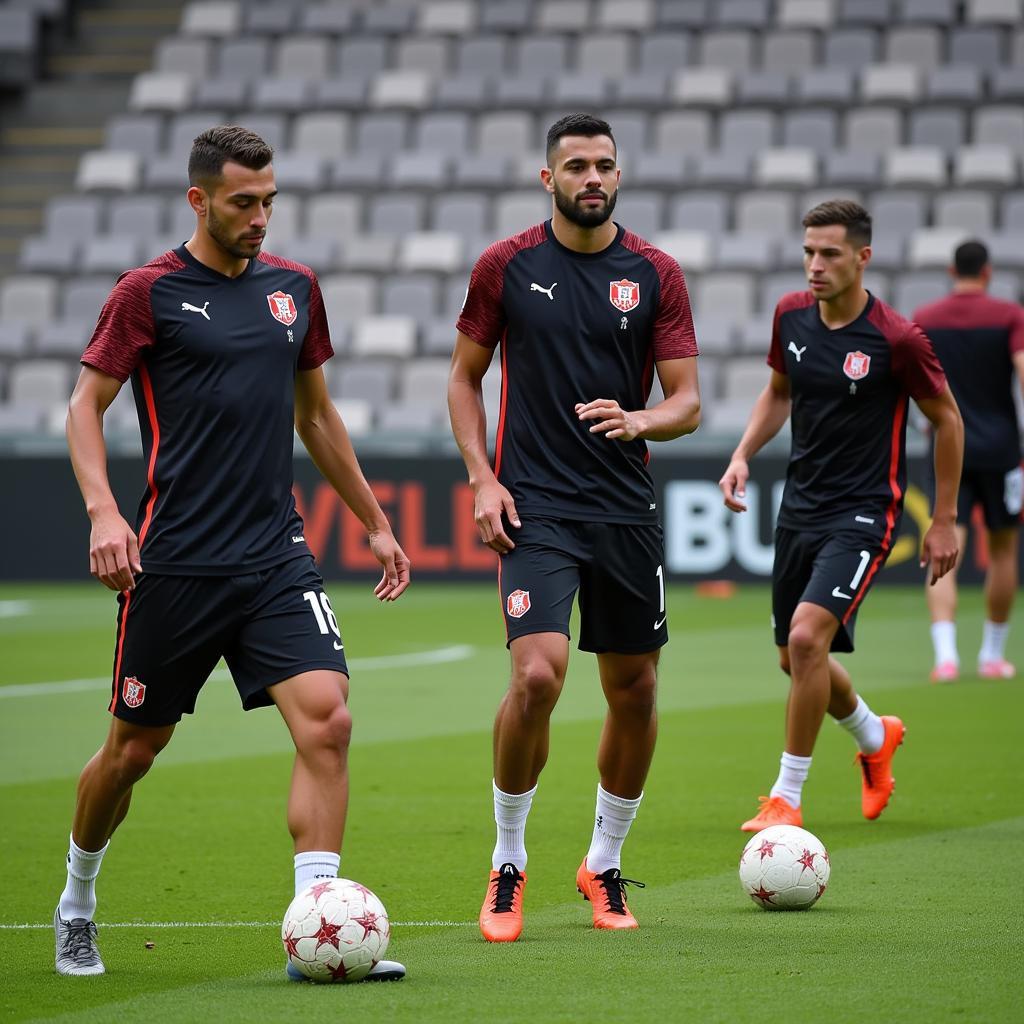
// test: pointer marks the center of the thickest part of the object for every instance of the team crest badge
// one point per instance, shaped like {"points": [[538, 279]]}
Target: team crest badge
{"points": [[134, 692], [857, 365], [282, 308], [518, 603], [624, 295]]}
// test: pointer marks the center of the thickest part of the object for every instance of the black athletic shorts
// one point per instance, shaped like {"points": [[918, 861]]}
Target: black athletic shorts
{"points": [[998, 493], [833, 570], [172, 631], [617, 568]]}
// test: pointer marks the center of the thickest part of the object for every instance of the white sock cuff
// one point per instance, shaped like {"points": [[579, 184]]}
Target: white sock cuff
{"points": [[320, 858], [860, 712], [86, 862], [624, 803], [794, 760], [512, 800]]}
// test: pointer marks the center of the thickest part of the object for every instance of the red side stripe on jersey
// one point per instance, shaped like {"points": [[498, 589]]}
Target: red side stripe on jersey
{"points": [[121, 629], [890, 512], [501, 601], [501, 410], [154, 426]]}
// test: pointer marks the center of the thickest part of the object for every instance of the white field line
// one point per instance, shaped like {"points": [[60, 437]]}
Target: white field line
{"points": [[12, 609], [439, 656], [222, 924]]}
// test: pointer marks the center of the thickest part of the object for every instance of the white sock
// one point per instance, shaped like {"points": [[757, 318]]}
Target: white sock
{"points": [[314, 864], [993, 641], [612, 819], [865, 727], [944, 642], [793, 771], [79, 896], [510, 812]]}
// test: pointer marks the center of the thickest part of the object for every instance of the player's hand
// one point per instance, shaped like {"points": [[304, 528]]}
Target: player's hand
{"points": [[113, 551], [492, 503], [612, 420], [939, 550], [396, 565], [734, 485]]}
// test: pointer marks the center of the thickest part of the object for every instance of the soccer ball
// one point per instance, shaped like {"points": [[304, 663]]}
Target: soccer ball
{"points": [[335, 930], [784, 868]]}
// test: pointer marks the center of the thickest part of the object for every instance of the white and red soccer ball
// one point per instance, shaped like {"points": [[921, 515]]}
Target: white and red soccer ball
{"points": [[335, 930], [784, 868]]}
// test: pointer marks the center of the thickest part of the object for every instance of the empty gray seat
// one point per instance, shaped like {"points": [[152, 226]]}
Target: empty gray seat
{"points": [[329, 18], [540, 55], [826, 85], [890, 83], [852, 48], [506, 134], [221, 93], [746, 131], [774, 286], [388, 19], [369, 253], [323, 133], [506, 16], [63, 338], [971, 210], [631, 129], [481, 170], [189, 56], [419, 170], [877, 129], [814, 128], [244, 59], [755, 336], [301, 172], [517, 211], [45, 382], [83, 298], [865, 12], [580, 89], [956, 84], [726, 168], [683, 131], [383, 134], [919, 45], [183, 130], [1011, 213], [664, 170], [14, 339], [413, 295], [344, 93], [745, 252], [1008, 83], [765, 213], [682, 13], [728, 295], [482, 55], [349, 297], [463, 91], [745, 13], [609, 54], [395, 214], [48, 255], [981, 47], [788, 51], [743, 380], [764, 88], [73, 217], [357, 171], [28, 299], [937, 12], [640, 211], [915, 289], [135, 133], [270, 19], [520, 91], [1001, 126], [286, 94], [902, 212], [853, 167], [361, 56], [465, 213], [429, 55], [370, 380], [937, 126], [426, 381], [700, 211], [642, 89], [320, 254], [110, 253], [732, 49], [664, 51]]}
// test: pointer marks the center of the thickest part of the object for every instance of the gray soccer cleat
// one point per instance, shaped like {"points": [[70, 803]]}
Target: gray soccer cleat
{"points": [[383, 970], [77, 952]]}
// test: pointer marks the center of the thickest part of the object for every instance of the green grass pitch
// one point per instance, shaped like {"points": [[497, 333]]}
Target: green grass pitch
{"points": [[921, 921]]}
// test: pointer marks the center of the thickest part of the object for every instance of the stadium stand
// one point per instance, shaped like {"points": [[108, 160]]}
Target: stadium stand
{"points": [[409, 136]]}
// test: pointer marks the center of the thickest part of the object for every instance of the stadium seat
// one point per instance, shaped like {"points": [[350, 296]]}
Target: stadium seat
{"points": [[507, 16], [48, 255], [183, 130], [517, 211], [110, 254], [690, 249], [83, 297], [464, 213], [852, 48], [792, 167], [788, 51], [330, 18], [682, 14], [730, 48], [430, 250], [395, 214], [981, 47], [14, 339], [940, 12], [765, 213], [915, 166], [319, 254], [45, 382], [191, 57], [817, 14], [729, 295], [702, 87], [360, 56], [716, 335], [357, 171], [746, 131], [700, 211], [956, 84], [774, 286], [816, 129], [875, 130], [875, 13], [448, 17], [919, 46], [160, 90], [640, 211], [537, 56], [1004, 12], [414, 418], [105, 170], [902, 212], [625, 15], [662, 170], [579, 89], [726, 169], [28, 299], [933, 247], [999, 126], [1005, 248], [890, 83], [418, 170], [682, 131], [77, 218], [349, 297], [745, 252], [985, 165], [482, 55], [393, 336], [1007, 84], [429, 56], [400, 89], [832, 86], [424, 380], [610, 54], [63, 338], [368, 253], [743, 379], [505, 134], [246, 59], [664, 52], [372, 381], [755, 335], [212, 18], [968, 211], [943, 127], [764, 88], [324, 134], [915, 289]]}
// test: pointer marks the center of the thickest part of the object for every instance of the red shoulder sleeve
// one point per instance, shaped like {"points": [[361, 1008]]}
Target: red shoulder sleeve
{"points": [[916, 365], [316, 348], [483, 314], [791, 300], [125, 326], [1017, 332]]}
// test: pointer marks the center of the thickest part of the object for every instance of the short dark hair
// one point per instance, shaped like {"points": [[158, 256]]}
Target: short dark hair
{"points": [[586, 125], [845, 212], [970, 259], [212, 149]]}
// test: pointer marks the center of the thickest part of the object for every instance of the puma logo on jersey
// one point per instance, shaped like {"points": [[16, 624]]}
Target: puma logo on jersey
{"points": [[798, 352], [546, 291], [195, 309]]}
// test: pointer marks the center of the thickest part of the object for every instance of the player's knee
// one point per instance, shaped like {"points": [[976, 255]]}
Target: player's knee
{"points": [[806, 643], [134, 758], [639, 695], [334, 730], [536, 686]]}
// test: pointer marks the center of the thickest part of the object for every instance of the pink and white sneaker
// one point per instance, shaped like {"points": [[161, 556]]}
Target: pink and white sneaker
{"points": [[1000, 669], [945, 672]]}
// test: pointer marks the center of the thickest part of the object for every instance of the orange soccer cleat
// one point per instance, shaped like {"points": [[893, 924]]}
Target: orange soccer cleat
{"points": [[878, 783], [606, 894], [501, 916], [775, 810]]}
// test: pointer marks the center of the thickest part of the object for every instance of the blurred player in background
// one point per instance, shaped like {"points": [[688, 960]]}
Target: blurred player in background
{"points": [[980, 342], [585, 313], [843, 367], [224, 346]]}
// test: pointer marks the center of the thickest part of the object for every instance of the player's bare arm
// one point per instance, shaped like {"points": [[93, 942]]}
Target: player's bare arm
{"points": [[493, 504], [941, 544], [322, 431], [676, 415], [770, 412], [113, 546]]}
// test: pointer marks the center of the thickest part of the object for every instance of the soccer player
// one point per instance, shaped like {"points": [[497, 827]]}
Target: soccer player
{"points": [[224, 346], [584, 312], [980, 342], [843, 366]]}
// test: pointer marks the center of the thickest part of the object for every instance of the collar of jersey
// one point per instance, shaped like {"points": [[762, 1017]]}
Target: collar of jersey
{"points": [[183, 254], [619, 232], [836, 330]]}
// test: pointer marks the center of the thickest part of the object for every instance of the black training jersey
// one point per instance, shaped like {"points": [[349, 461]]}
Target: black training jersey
{"points": [[213, 362], [575, 327], [975, 337], [850, 389]]}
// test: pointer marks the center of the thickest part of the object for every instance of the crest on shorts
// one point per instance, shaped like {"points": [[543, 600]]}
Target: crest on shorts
{"points": [[518, 603], [133, 692], [282, 308], [624, 295], [857, 365]]}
